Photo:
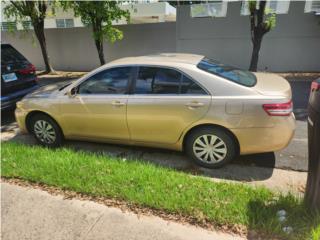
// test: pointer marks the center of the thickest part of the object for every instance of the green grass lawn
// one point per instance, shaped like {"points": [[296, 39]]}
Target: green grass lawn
{"points": [[155, 187]]}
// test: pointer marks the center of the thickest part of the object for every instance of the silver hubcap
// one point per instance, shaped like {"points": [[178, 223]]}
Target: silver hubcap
{"points": [[44, 131], [209, 148]]}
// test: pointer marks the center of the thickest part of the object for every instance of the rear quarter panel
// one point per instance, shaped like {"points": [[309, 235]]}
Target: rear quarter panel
{"points": [[239, 109]]}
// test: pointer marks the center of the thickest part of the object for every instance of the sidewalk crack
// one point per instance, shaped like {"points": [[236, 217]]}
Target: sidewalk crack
{"points": [[92, 226]]}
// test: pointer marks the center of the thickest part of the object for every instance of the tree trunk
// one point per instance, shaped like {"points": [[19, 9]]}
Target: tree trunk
{"points": [[39, 31], [99, 45], [255, 54]]}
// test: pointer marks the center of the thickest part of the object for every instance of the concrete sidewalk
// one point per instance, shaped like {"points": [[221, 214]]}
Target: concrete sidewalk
{"points": [[34, 214]]}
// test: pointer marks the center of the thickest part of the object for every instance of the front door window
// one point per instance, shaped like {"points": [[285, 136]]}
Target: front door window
{"points": [[111, 81]]}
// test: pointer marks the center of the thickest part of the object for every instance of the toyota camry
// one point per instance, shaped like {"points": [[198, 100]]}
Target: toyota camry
{"points": [[211, 111]]}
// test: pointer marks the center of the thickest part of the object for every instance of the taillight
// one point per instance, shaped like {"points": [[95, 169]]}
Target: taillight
{"points": [[30, 68], [278, 109], [315, 86]]}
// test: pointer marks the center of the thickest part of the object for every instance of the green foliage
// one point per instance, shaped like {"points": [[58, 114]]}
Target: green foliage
{"points": [[99, 15], [316, 233], [24, 10], [252, 5], [270, 18], [268, 15]]}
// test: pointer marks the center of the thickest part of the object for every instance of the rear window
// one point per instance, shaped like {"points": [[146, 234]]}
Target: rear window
{"points": [[231, 73], [10, 55]]}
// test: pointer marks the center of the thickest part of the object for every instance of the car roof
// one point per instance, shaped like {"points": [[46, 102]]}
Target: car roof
{"points": [[164, 58]]}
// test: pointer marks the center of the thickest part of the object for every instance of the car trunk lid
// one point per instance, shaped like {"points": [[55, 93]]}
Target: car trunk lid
{"points": [[271, 84]]}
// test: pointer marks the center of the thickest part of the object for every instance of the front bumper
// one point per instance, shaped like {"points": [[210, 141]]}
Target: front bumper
{"points": [[21, 119], [9, 101]]}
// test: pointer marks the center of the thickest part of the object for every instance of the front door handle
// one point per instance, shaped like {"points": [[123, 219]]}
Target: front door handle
{"points": [[117, 103], [194, 104]]}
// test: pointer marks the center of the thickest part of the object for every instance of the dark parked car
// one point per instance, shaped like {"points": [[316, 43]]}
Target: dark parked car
{"points": [[18, 76], [313, 182]]}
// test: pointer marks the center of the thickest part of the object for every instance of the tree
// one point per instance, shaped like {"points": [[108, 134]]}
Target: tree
{"points": [[99, 15], [36, 11], [261, 22]]}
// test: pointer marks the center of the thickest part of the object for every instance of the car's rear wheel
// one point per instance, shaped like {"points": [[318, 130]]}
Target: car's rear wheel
{"points": [[46, 130], [210, 147]]}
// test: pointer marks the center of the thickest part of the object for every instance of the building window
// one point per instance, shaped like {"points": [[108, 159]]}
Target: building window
{"points": [[8, 26], [245, 8], [312, 6], [213, 9], [65, 23], [273, 5], [27, 25], [279, 7]]}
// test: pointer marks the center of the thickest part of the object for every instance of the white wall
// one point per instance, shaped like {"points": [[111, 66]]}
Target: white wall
{"points": [[294, 44], [74, 49]]}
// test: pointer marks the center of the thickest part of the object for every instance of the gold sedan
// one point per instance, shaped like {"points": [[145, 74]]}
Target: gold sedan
{"points": [[187, 102]]}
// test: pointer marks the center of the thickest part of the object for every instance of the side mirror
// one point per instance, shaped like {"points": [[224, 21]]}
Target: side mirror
{"points": [[72, 92]]}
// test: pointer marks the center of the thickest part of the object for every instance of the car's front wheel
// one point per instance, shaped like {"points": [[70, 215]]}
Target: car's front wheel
{"points": [[210, 147], [46, 130]]}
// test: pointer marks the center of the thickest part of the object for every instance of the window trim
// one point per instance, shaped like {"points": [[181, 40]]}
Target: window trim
{"points": [[132, 90], [105, 94]]}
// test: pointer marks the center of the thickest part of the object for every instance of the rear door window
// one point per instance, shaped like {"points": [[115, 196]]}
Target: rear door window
{"points": [[231, 73], [155, 80], [188, 86]]}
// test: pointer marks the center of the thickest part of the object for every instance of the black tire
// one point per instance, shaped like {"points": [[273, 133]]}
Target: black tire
{"points": [[55, 131], [224, 147]]}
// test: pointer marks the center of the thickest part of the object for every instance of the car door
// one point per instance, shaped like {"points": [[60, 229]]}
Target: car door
{"points": [[98, 109], [164, 102]]}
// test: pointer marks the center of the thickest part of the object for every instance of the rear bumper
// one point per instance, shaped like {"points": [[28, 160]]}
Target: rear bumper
{"points": [[269, 139], [10, 100]]}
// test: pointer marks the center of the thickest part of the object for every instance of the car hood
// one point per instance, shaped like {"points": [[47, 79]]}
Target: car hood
{"points": [[47, 91]]}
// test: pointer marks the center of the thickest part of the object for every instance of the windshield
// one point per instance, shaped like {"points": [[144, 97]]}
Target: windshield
{"points": [[234, 74]]}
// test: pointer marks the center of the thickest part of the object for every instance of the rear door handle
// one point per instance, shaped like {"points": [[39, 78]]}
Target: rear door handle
{"points": [[117, 103], [194, 104]]}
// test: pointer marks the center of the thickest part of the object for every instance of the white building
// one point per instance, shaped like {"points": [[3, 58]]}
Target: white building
{"points": [[153, 11], [145, 11]]}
